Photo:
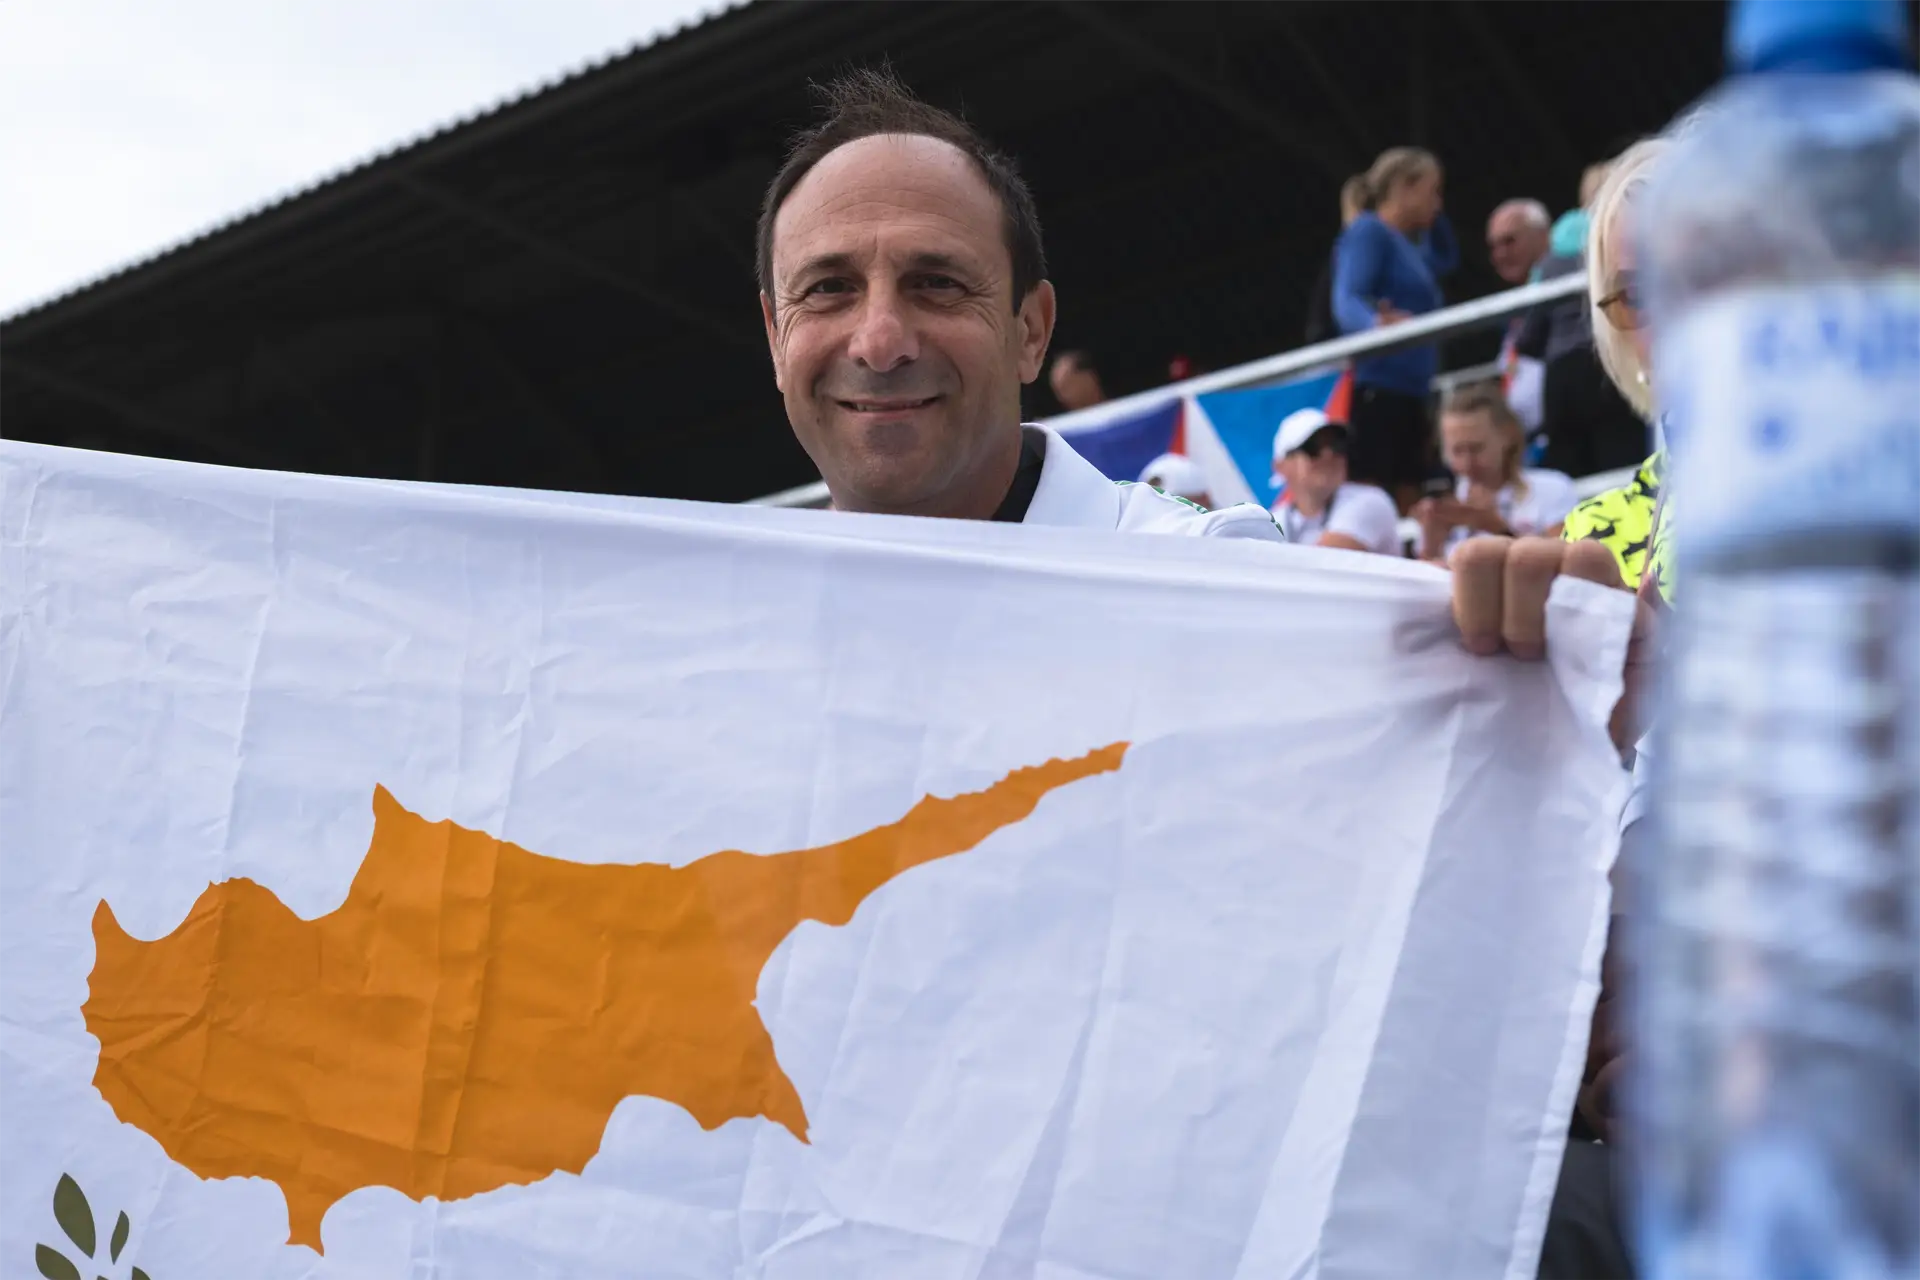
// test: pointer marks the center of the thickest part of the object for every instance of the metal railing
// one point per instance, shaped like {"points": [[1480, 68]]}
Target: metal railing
{"points": [[1466, 317]]}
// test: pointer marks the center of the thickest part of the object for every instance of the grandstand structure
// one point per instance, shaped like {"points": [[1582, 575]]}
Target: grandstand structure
{"points": [[558, 291]]}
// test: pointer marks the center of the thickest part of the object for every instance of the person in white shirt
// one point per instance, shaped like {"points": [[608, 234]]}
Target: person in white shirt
{"points": [[1180, 476], [904, 295], [1484, 445], [1320, 506], [904, 292]]}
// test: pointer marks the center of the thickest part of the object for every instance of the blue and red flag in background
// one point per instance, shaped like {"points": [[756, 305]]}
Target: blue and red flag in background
{"points": [[1229, 434]]}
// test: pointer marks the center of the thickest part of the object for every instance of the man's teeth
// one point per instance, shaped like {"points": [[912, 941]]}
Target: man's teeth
{"points": [[870, 406]]}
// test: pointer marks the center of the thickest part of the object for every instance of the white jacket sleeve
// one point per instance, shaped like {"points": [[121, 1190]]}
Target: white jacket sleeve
{"points": [[1366, 515], [1244, 520]]}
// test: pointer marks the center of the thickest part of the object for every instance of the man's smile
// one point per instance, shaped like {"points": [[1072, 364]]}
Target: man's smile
{"points": [[882, 408]]}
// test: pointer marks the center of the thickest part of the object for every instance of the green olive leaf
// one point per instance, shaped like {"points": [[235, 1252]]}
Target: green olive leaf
{"points": [[53, 1264], [138, 1274], [119, 1241], [75, 1216]]}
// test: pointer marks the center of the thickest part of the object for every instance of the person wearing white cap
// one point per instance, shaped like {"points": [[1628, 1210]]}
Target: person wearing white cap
{"points": [[1178, 476], [1320, 506]]}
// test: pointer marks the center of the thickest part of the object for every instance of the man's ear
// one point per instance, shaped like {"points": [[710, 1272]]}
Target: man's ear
{"points": [[1034, 325], [773, 338]]}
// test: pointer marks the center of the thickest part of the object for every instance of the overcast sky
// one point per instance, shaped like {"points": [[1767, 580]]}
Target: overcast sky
{"points": [[127, 125]]}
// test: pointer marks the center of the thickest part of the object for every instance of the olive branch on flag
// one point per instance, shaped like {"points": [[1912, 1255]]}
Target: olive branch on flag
{"points": [[75, 1216]]}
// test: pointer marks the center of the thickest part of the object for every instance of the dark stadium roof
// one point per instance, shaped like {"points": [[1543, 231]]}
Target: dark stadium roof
{"points": [[558, 291]]}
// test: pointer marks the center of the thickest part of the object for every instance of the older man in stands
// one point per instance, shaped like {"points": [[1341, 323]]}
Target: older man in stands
{"points": [[904, 294], [1519, 238]]}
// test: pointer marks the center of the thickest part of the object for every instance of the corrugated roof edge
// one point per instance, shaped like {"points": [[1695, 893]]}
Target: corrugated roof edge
{"points": [[539, 89]]}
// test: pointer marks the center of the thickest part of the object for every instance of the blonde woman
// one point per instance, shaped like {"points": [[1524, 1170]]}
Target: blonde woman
{"points": [[1613, 279], [1387, 268], [1625, 347], [1484, 445], [1622, 519]]}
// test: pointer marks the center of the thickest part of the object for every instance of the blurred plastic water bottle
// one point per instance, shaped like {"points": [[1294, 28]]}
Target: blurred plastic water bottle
{"points": [[1775, 1112]]}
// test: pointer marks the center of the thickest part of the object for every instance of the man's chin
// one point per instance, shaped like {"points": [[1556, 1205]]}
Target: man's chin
{"points": [[892, 435], [898, 485], [904, 480], [894, 459]]}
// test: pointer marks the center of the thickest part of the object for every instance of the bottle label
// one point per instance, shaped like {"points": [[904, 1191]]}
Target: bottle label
{"points": [[1797, 408]]}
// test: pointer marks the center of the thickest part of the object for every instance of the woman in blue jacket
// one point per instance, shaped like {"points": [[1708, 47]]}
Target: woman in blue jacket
{"points": [[1386, 268]]}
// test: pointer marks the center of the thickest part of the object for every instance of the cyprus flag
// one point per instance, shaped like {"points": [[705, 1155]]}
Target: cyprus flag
{"points": [[406, 882]]}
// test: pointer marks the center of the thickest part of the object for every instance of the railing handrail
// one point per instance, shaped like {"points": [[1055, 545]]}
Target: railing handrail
{"points": [[1433, 326]]}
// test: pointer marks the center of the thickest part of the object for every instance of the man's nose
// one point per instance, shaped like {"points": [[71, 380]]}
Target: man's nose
{"points": [[883, 336]]}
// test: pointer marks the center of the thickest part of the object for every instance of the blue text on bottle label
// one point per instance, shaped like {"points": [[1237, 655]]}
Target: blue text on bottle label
{"points": [[1799, 408]]}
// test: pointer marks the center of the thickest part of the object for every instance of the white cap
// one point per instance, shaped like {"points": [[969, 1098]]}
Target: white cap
{"points": [[1176, 474], [1296, 429]]}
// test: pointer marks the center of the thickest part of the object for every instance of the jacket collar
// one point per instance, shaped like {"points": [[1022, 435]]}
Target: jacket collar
{"points": [[1072, 491]]}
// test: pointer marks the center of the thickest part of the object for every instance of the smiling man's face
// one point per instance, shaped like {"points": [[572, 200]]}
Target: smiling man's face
{"points": [[896, 341]]}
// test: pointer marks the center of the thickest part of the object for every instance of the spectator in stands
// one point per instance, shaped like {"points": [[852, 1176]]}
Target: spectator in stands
{"points": [[1624, 350], [1516, 245], [1517, 239], [1488, 582], [1500, 590], [1075, 380], [1321, 325], [1178, 476], [1485, 446], [1387, 269], [1624, 347], [1320, 506], [1589, 426]]}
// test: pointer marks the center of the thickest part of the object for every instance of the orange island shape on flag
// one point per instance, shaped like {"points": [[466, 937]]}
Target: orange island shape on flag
{"points": [[473, 1012]]}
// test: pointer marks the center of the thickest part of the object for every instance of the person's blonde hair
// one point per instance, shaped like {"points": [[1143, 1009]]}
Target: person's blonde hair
{"points": [[1394, 166], [1486, 397], [1628, 175]]}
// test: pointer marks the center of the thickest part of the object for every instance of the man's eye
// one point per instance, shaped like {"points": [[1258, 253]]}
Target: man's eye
{"points": [[829, 286], [939, 282]]}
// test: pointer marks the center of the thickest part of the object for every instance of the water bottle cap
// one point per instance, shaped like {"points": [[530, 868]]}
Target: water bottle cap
{"points": [[1817, 35]]}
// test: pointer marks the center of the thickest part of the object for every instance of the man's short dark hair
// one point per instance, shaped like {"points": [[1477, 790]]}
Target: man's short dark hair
{"points": [[873, 101]]}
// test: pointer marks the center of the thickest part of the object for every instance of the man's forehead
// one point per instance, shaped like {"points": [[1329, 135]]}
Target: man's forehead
{"points": [[899, 180]]}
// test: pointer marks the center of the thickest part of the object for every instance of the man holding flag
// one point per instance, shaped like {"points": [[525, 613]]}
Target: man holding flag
{"points": [[904, 294]]}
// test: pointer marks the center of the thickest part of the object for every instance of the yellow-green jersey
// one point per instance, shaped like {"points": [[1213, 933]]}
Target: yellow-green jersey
{"points": [[1622, 521]]}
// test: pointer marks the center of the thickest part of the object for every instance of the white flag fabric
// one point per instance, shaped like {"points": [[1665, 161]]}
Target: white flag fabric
{"points": [[406, 882]]}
